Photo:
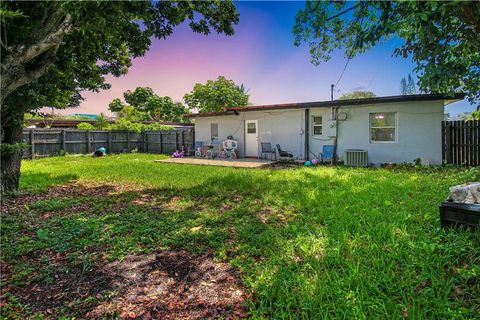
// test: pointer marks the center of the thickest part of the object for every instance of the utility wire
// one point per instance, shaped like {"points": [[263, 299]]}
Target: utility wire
{"points": [[343, 72]]}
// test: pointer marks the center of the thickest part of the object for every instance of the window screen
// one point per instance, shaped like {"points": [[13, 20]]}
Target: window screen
{"points": [[317, 125], [383, 127], [214, 131]]}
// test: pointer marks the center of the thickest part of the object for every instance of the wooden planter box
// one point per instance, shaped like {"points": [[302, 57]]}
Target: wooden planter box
{"points": [[452, 214]]}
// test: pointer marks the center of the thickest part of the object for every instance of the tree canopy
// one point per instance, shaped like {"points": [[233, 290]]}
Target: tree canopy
{"points": [[216, 95], [52, 51], [94, 38], [442, 37], [150, 105], [357, 94]]}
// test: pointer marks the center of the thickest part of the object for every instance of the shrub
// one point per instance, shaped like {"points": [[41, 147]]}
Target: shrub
{"points": [[124, 124], [85, 126]]}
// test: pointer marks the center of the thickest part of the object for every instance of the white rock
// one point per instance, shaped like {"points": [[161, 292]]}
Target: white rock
{"points": [[465, 193]]}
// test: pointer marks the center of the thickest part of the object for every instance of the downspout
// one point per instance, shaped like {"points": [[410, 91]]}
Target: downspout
{"points": [[307, 134], [334, 117], [335, 139]]}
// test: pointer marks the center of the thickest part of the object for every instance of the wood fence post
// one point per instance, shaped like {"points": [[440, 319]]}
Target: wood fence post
{"points": [[176, 140], [192, 131], [109, 141], [128, 141], [145, 148], [32, 144], [448, 129], [64, 147], [183, 140], [161, 142], [89, 146]]}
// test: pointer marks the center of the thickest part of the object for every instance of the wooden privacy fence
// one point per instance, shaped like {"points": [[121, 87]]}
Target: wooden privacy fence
{"points": [[461, 142], [47, 142]]}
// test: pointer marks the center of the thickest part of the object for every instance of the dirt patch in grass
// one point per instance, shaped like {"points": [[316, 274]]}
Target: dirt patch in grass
{"points": [[163, 285], [71, 190], [173, 285], [85, 285]]}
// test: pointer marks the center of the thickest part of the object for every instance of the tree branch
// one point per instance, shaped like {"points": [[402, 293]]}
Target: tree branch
{"points": [[342, 12], [49, 41], [18, 70]]}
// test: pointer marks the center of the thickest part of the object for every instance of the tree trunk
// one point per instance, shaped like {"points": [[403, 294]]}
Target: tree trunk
{"points": [[11, 155]]}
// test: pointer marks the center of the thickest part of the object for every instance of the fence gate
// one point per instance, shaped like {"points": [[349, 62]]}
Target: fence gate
{"points": [[461, 142]]}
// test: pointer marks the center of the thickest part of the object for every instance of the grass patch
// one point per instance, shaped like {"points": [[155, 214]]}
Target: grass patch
{"points": [[321, 242]]}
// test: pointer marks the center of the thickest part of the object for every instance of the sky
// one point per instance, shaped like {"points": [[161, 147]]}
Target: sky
{"points": [[262, 56]]}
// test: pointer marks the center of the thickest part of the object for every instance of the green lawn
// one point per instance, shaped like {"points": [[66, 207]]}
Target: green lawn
{"points": [[310, 243]]}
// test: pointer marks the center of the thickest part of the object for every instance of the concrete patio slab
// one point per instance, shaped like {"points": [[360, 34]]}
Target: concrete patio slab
{"points": [[238, 163]]}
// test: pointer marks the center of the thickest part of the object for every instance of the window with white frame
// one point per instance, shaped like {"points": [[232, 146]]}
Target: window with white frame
{"points": [[317, 125], [214, 131], [383, 127]]}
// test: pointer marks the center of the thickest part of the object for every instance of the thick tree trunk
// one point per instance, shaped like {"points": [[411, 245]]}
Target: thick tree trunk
{"points": [[11, 157]]}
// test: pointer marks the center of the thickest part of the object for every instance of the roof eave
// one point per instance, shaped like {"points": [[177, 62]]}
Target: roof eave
{"points": [[337, 103]]}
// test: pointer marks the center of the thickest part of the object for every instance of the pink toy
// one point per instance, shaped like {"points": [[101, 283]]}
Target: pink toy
{"points": [[315, 161], [178, 154]]}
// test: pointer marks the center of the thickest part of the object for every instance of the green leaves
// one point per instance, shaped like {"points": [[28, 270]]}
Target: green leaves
{"points": [[216, 95], [357, 94], [85, 126], [442, 38], [144, 105]]}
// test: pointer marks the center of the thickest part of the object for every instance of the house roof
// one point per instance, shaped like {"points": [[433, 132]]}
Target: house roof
{"points": [[334, 103]]}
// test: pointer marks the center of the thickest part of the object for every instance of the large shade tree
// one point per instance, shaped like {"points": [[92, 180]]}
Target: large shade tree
{"points": [[147, 102], [442, 37], [51, 51], [216, 95]]}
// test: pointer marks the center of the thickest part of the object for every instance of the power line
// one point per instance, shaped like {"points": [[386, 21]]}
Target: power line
{"points": [[343, 71]]}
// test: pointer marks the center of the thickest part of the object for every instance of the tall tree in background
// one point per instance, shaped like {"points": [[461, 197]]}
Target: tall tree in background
{"points": [[357, 94], [216, 95], [442, 37], [51, 51], [154, 107], [408, 87]]}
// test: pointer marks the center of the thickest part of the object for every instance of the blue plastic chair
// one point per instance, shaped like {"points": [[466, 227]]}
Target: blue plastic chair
{"points": [[327, 153]]}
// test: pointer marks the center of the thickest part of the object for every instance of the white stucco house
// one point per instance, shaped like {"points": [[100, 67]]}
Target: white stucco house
{"points": [[390, 129]]}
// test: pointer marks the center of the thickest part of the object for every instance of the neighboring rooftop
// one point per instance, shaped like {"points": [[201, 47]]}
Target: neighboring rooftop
{"points": [[72, 123], [335, 103], [85, 115]]}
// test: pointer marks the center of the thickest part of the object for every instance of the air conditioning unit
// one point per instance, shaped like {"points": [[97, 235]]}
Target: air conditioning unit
{"points": [[356, 158]]}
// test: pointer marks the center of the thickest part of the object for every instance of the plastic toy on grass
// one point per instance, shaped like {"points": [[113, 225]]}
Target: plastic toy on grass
{"points": [[307, 163], [100, 152], [314, 161], [178, 154]]}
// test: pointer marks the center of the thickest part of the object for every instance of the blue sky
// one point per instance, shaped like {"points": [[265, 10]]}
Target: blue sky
{"points": [[261, 55]]}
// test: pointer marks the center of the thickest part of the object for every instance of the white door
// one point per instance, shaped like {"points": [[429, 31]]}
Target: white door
{"points": [[251, 138]]}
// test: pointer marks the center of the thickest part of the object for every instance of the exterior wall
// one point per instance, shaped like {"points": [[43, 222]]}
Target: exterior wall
{"points": [[284, 127], [418, 132]]}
